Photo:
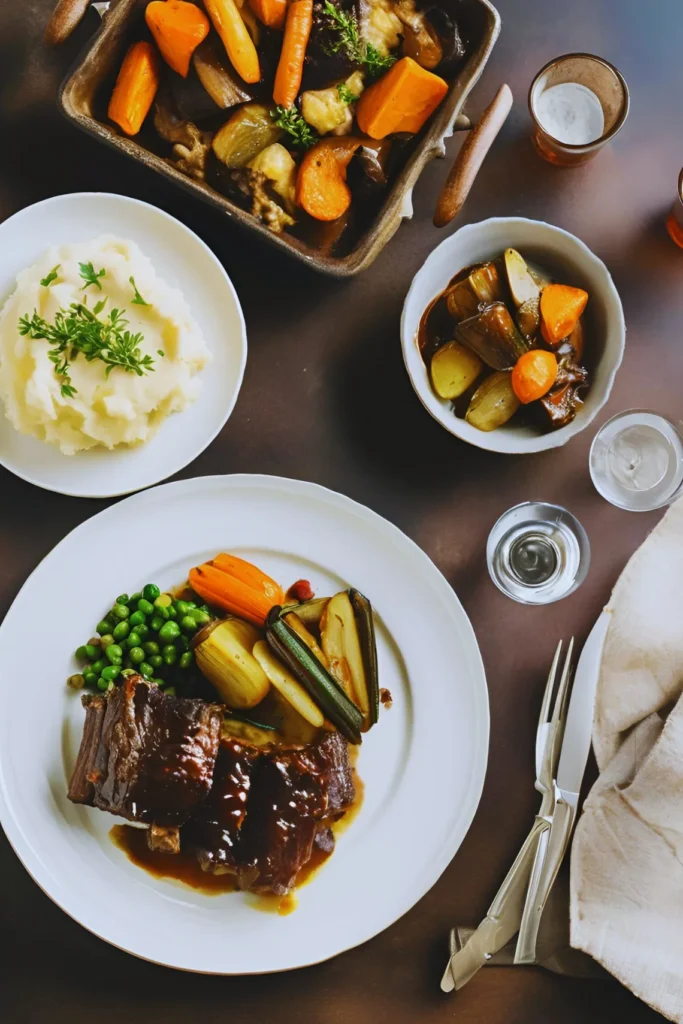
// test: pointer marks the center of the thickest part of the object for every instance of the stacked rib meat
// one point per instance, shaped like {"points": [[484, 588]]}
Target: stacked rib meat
{"points": [[256, 812]]}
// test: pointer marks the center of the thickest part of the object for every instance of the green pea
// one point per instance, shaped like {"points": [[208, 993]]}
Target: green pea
{"points": [[163, 601], [76, 682], [186, 659], [170, 690], [142, 630], [137, 618], [133, 639], [156, 623], [122, 599], [155, 660], [170, 654], [97, 666], [182, 607], [136, 655], [121, 631], [127, 672], [145, 669], [82, 652], [134, 598], [104, 626], [90, 678], [183, 643], [102, 683], [150, 647], [163, 613], [150, 592], [172, 613], [111, 672], [169, 631], [188, 625], [120, 611], [107, 639], [145, 606], [115, 654], [191, 604], [200, 617]]}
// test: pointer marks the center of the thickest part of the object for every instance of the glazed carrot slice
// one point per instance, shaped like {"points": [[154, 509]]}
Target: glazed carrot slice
{"points": [[561, 307], [239, 45], [135, 88], [271, 12], [250, 575], [226, 592], [401, 101], [321, 188], [178, 28], [290, 68]]}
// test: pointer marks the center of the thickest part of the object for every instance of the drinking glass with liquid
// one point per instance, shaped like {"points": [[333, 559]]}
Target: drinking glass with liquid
{"points": [[636, 461], [537, 553], [578, 102]]}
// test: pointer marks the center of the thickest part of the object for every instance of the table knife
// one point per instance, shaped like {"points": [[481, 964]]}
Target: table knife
{"points": [[570, 771]]}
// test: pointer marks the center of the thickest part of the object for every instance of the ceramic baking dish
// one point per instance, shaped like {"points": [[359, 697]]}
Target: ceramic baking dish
{"points": [[97, 66]]}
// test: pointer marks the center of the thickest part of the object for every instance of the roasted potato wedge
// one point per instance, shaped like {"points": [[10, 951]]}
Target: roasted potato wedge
{"points": [[493, 403], [454, 369]]}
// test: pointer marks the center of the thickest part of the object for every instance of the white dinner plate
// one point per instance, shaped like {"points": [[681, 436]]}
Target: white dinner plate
{"points": [[185, 262], [422, 765]]}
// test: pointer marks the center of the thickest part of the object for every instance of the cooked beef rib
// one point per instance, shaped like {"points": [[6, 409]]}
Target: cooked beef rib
{"points": [[146, 756]]}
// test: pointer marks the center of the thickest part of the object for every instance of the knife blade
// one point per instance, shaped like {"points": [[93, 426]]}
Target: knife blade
{"points": [[570, 771]]}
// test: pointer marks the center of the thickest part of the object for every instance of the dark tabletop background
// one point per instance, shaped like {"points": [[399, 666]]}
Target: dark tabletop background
{"points": [[324, 358]]}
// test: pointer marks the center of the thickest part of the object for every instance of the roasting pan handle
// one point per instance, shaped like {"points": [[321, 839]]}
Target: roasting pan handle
{"points": [[470, 158], [66, 16]]}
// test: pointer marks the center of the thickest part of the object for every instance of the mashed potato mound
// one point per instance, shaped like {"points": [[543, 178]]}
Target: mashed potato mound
{"points": [[123, 408]]}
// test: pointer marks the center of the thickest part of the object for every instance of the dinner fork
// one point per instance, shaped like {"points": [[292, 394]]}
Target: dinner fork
{"points": [[503, 918]]}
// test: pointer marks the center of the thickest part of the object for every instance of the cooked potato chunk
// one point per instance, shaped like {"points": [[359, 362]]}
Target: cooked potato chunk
{"points": [[522, 285], [493, 403], [279, 167], [454, 369], [327, 110]]}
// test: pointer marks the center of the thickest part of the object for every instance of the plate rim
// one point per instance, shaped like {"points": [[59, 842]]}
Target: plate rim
{"points": [[183, 463], [11, 823]]}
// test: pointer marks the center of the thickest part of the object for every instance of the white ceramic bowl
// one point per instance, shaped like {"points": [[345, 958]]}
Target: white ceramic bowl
{"points": [[184, 261], [569, 260]]}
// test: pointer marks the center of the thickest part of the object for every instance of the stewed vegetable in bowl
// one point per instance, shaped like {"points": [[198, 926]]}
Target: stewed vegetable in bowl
{"points": [[512, 333]]}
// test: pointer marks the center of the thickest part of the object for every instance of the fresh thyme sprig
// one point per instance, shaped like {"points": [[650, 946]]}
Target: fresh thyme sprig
{"points": [[81, 330], [348, 39], [52, 276], [300, 132], [90, 275]]}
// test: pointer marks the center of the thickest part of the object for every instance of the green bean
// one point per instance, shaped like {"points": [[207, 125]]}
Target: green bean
{"points": [[120, 611], [137, 618], [186, 659], [104, 626], [155, 660], [136, 655], [111, 672], [156, 623], [133, 639], [145, 669], [121, 631], [122, 599], [145, 606], [169, 631], [98, 665], [90, 678], [76, 682], [150, 647], [170, 654], [150, 592], [115, 654], [107, 639]]}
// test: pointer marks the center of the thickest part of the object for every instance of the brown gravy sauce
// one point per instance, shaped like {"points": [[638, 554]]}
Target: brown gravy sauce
{"points": [[184, 866]]}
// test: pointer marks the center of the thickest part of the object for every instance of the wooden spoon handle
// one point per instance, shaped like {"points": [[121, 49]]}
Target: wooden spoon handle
{"points": [[470, 158], [65, 17]]}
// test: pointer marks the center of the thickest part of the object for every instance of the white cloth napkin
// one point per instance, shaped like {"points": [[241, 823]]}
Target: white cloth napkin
{"points": [[627, 854]]}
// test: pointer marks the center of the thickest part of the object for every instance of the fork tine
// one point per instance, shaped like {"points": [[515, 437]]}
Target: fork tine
{"points": [[544, 714], [562, 700]]}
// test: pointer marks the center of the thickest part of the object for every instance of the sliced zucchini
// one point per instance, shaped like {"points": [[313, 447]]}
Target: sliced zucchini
{"points": [[365, 623], [310, 612], [314, 677]]}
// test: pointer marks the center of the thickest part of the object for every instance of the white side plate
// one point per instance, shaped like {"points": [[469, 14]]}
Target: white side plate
{"points": [[185, 262], [422, 766]]}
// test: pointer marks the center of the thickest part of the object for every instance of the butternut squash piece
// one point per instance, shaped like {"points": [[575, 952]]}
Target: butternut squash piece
{"points": [[135, 88], [178, 28], [561, 307], [401, 101]]}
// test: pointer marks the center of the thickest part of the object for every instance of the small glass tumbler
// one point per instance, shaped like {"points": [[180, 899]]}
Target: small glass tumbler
{"points": [[636, 461], [674, 224], [537, 553], [578, 102]]}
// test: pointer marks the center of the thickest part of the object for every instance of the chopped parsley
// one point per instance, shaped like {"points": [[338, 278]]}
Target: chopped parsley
{"points": [[52, 276], [90, 275], [346, 95], [138, 300]]}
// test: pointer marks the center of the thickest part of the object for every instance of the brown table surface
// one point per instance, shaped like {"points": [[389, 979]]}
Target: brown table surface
{"points": [[324, 357]]}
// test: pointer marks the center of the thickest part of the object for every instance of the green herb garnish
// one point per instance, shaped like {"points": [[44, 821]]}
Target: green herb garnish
{"points": [[52, 276], [348, 39], [90, 275], [345, 94], [81, 330], [138, 300], [300, 132]]}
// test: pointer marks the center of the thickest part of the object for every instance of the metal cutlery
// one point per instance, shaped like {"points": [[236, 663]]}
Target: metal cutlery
{"points": [[567, 784], [505, 913]]}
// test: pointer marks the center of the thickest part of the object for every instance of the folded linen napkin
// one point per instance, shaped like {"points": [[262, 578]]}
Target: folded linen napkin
{"points": [[627, 855]]}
